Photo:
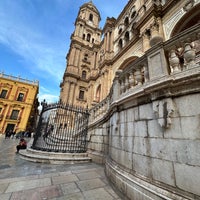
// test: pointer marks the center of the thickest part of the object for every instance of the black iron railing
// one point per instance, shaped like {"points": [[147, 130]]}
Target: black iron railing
{"points": [[62, 128]]}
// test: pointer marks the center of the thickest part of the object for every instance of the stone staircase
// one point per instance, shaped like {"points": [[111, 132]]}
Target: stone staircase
{"points": [[53, 157]]}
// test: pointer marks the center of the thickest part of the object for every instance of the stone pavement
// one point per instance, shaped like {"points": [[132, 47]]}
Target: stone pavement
{"points": [[25, 180]]}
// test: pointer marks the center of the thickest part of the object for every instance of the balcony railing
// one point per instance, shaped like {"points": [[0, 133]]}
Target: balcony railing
{"points": [[18, 79], [98, 111], [169, 58]]}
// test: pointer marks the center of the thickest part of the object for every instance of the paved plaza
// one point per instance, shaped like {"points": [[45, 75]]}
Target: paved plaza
{"points": [[24, 180]]}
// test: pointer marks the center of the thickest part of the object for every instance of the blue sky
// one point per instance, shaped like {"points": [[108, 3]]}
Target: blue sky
{"points": [[35, 38]]}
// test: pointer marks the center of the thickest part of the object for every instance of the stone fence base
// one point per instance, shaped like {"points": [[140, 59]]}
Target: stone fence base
{"points": [[136, 188]]}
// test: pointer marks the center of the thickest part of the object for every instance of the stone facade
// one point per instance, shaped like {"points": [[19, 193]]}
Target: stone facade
{"points": [[145, 99]]}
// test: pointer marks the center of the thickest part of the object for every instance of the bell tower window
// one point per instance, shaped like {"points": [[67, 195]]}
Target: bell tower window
{"points": [[91, 17], [126, 21], [84, 74], [120, 44], [88, 37], [81, 95]]}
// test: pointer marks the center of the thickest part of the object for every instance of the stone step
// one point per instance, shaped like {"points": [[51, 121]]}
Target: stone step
{"points": [[53, 157]]}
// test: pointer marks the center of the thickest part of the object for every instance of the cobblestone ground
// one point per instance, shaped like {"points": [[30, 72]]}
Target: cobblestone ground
{"points": [[24, 180]]}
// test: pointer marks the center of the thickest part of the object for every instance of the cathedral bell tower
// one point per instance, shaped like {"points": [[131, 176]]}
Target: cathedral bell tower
{"points": [[82, 57]]}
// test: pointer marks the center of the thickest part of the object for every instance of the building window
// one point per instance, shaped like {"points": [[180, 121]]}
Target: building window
{"points": [[20, 97], [127, 38], [88, 37], [120, 31], [81, 94], [126, 21], [133, 14], [14, 114], [84, 73], [3, 94], [83, 36], [120, 44], [91, 17], [86, 57]]}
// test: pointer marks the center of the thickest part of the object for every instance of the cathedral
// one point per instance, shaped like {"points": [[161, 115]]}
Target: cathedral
{"points": [[96, 54], [140, 78]]}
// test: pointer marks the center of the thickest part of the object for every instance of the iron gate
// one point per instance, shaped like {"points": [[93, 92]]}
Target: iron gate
{"points": [[62, 128]]}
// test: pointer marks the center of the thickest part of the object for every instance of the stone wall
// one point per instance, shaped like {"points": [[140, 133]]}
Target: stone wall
{"points": [[164, 156], [147, 131]]}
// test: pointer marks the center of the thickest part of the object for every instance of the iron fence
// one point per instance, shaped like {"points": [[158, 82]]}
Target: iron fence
{"points": [[62, 128]]}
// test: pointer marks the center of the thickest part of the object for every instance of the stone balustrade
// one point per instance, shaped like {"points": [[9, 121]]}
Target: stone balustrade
{"points": [[99, 111], [176, 55], [159, 64], [183, 50]]}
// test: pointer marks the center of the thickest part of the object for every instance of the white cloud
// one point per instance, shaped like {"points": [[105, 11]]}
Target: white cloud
{"points": [[49, 98], [46, 54]]}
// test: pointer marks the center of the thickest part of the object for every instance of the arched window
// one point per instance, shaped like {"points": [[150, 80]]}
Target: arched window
{"points": [[88, 37], [81, 94], [84, 74], [120, 45], [126, 21], [120, 31], [127, 38], [91, 17], [86, 57], [133, 14]]}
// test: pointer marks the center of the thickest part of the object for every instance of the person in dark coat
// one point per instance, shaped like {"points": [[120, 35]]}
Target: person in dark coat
{"points": [[22, 145]]}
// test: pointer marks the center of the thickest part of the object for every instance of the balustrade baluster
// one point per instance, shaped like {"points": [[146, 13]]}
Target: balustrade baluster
{"points": [[138, 76]]}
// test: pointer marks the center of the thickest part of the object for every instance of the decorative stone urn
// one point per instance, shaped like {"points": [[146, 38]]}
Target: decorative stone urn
{"points": [[138, 77], [174, 61], [189, 55]]}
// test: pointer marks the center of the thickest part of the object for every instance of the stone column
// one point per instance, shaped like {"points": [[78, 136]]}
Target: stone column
{"points": [[111, 43], [155, 35], [146, 37], [71, 57], [108, 42], [74, 93], [77, 57], [116, 85], [68, 93]]}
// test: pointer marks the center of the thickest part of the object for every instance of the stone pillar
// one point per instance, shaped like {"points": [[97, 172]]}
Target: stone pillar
{"points": [[111, 43], [71, 57], [146, 37], [68, 93], [108, 41], [77, 57], [74, 93], [116, 85], [156, 37]]}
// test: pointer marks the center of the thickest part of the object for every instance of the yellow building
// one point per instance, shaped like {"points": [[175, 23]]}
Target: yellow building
{"points": [[18, 104]]}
